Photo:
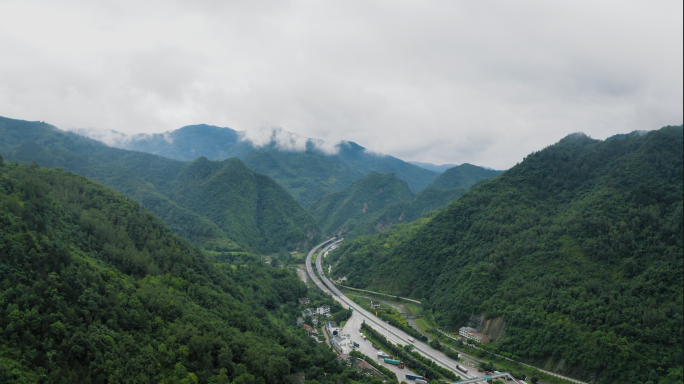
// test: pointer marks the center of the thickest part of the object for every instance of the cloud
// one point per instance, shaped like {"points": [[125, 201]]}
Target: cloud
{"points": [[441, 82], [107, 136], [286, 141]]}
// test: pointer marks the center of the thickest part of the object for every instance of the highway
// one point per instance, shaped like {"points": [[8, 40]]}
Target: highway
{"points": [[392, 333]]}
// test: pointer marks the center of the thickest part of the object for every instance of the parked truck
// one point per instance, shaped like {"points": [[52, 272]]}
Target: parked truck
{"points": [[421, 381], [398, 363], [383, 354], [414, 377], [461, 369], [375, 346], [356, 345]]}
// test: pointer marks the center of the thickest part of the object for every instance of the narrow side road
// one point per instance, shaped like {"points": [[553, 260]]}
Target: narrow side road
{"points": [[393, 334]]}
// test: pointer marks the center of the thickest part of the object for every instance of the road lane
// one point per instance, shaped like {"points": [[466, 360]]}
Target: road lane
{"points": [[392, 333]]}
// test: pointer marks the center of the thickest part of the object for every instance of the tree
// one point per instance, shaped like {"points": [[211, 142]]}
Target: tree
{"points": [[308, 320]]}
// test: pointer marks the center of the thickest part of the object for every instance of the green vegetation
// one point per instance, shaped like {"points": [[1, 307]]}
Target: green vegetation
{"points": [[391, 376], [307, 175], [349, 211], [376, 202], [221, 206], [95, 289], [578, 248], [395, 319], [463, 176], [413, 360]]}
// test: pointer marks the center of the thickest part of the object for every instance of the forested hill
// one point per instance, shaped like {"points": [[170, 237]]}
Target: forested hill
{"points": [[307, 174], [464, 175], [95, 289], [447, 187], [578, 249], [340, 211], [213, 204], [351, 210]]}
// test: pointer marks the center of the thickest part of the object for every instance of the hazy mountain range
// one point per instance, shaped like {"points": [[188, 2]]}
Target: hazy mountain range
{"points": [[575, 254], [216, 204], [307, 168]]}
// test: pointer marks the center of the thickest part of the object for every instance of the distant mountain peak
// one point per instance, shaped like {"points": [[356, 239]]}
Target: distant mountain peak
{"points": [[287, 141], [444, 167]]}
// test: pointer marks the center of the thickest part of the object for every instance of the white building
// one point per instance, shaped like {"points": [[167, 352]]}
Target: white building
{"points": [[471, 333]]}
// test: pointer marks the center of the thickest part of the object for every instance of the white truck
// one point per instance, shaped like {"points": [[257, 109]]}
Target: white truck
{"points": [[411, 339]]}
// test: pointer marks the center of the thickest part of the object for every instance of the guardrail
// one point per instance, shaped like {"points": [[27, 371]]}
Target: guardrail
{"points": [[380, 293]]}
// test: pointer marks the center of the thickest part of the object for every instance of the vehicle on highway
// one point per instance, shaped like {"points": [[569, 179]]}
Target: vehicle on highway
{"points": [[399, 364], [329, 288], [461, 369], [411, 339]]}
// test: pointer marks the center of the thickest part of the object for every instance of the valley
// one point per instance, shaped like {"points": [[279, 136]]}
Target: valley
{"points": [[574, 252]]}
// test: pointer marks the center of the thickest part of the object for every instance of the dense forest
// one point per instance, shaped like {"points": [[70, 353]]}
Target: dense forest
{"points": [[307, 174], [446, 188], [216, 205], [463, 176], [351, 210], [578, 249], [376, 202], [96, 289]]}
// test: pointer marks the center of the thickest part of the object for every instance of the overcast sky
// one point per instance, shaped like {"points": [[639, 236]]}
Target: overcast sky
{"points": [[485, 82]]}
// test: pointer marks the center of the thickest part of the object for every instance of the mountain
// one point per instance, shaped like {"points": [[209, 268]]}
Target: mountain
{"points": [[433, 167], [350, 210], [306, 168], [447, 187], [427, 201], [464, 175], [96, 289], [217, 205], [576, 253]]}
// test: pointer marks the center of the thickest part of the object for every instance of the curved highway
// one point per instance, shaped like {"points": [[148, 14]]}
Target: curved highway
{"points": [[393, 334], [310, 271]]}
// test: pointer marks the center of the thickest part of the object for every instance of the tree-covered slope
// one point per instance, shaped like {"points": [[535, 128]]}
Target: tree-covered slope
{"points": [[251, 207], [464, 175], [416, 177], [307, 173], [95, 289], [578, 248], [350, 210], [428, 200], [447, 187], [269, 218]]}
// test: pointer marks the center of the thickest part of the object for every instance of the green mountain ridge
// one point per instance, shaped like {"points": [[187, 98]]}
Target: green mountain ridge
{"points": [[235, 207], [464, 175], [339, 212], [96, 289], [307, 174], [578, 249], [348, 211]]}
